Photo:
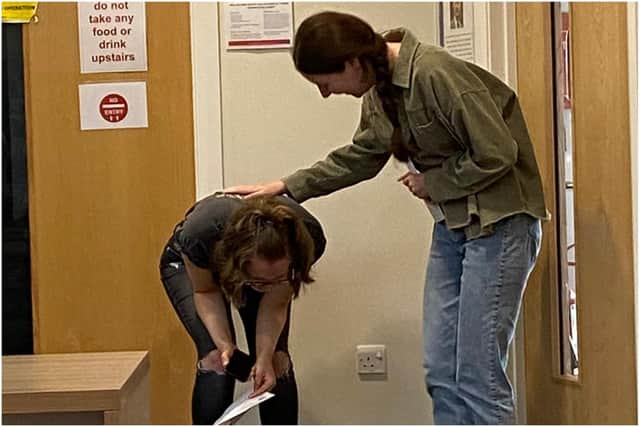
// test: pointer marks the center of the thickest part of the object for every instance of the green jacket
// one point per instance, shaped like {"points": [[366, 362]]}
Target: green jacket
{"points": [[473, 146]]}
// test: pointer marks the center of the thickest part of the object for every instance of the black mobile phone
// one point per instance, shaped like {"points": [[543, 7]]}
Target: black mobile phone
{"points": [[240, 365]]}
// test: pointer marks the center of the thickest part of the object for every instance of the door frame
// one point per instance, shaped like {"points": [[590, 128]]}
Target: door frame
{"points": [[633, 19], [207, 101]]}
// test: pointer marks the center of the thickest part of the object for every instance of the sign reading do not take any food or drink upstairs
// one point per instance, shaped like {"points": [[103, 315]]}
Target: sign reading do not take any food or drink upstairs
{"points": [[112, 36]]}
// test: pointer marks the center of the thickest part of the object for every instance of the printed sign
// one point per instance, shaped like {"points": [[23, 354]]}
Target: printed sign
{"points": [[114, 108], [112, 36], [261, 25], [113, 105], [456, 25], [18, 12]]}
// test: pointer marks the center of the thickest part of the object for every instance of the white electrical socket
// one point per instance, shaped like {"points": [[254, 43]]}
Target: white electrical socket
{"points": [[371, 359]]}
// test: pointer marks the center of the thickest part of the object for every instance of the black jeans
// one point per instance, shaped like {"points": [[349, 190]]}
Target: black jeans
{"points": [[212, 392]]}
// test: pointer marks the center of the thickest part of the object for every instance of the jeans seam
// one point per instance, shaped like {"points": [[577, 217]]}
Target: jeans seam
{"points": [[495, 309], [187, 325], [457, 346]]}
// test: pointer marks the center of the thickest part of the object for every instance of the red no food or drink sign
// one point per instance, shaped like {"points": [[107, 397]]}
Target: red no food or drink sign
{"points": [[113, 108]]}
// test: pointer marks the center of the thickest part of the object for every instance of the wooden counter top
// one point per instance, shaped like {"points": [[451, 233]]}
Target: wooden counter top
{"points": [[71, 381]]}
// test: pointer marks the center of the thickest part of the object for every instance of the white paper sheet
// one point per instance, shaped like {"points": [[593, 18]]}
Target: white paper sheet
{"points": [[434, 209], [242, 405]]}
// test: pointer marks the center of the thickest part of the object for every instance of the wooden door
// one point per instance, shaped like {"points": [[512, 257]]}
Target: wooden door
{"points": [[102, 203], [604, 391]]}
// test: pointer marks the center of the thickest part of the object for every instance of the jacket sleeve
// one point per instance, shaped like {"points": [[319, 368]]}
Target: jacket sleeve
{"points": [[345, 166]]}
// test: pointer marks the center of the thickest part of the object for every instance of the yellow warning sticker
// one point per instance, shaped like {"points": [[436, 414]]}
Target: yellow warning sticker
{"points": [[18, 11]]}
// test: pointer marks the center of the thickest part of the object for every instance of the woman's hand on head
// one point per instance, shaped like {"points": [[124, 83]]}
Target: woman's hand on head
{"points": [[415, 183], [272, 188], [264, 377]]}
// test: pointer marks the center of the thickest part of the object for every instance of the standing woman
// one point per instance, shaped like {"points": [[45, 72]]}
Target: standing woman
{"points": [[464, 138], [255, 254]]}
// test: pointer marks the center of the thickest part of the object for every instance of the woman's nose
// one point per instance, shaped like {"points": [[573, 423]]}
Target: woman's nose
{"points": [[324, 91]]}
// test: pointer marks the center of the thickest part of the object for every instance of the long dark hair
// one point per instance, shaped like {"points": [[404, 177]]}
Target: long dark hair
{"points": [[325, 41], [267, 229]]}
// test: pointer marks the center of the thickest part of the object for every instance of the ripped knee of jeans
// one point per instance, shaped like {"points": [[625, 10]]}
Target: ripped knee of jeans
{"points": [[281, 364], [210, 363]]}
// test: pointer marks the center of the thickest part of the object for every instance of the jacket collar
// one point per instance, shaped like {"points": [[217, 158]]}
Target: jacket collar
{"points": [[409, 44]]}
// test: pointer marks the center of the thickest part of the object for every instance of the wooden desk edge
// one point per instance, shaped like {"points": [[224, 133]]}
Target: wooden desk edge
{"points": [[81, 401]]}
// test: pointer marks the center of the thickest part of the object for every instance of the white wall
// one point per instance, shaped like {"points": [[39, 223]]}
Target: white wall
{"points": [[370, 281]]}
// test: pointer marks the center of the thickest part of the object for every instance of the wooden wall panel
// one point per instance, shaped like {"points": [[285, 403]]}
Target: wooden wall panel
{"points": [[102, 203]]}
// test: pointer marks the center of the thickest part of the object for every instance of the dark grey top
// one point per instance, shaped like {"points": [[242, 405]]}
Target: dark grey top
{"points": [[203, 225]]}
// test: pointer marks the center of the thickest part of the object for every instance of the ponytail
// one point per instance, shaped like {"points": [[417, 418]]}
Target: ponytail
{"points": [[385, 91]]}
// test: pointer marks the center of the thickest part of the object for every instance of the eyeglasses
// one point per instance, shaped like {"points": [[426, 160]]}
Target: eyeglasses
{"points": [[267, 285]]}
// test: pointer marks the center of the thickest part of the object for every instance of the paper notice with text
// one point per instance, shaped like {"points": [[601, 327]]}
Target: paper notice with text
{"points": [[259, 25], [112, 36], [457, 29]]}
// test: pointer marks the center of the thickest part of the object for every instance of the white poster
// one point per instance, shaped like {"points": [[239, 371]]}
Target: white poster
{"points": [[263, 25], [112, 36], [457, 29], [113, 105]]}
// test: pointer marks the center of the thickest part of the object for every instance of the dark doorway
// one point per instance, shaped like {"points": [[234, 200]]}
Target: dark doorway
{"points": [[17, 330]]}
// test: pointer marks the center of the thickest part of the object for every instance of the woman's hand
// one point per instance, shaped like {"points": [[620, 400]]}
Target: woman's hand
{"points": [[225, 355], [415, 183], [249, 191], [264, 377], [217, 360]]}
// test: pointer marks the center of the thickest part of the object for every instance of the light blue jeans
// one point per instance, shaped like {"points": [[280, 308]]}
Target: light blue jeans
{"points": [[472, 299]]}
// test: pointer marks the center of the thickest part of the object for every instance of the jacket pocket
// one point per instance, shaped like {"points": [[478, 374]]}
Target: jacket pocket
{"points": [[431, 136]]}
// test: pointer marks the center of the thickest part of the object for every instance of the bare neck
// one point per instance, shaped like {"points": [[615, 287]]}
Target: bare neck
{"points": [[393, 50]]}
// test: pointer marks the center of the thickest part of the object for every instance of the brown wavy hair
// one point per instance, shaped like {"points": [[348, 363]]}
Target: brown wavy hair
{"points": [[265, 228], [326, 40]]}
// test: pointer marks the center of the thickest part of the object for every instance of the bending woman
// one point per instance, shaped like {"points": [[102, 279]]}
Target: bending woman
{"points": [[254, 254]]}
